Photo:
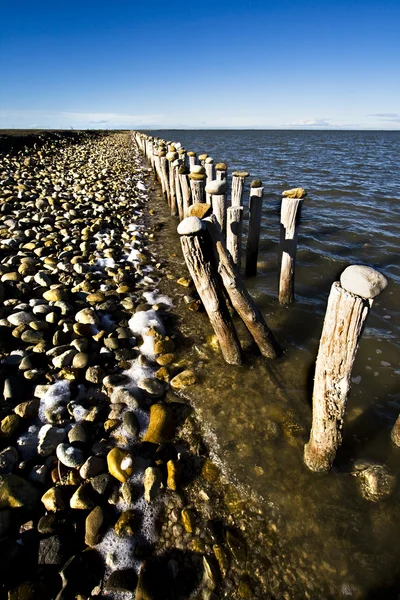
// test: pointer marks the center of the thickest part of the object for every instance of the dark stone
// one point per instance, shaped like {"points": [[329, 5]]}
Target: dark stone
{"points": [[102, 484], [79, 433], [122, 581], [130, 423], [47, 524], [52, 551]]}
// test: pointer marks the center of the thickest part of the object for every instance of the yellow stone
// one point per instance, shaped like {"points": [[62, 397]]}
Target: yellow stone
{"points": [[161, 427], [183, 380], [188, 520], [295, 193], [120, 464], [172, 472]]}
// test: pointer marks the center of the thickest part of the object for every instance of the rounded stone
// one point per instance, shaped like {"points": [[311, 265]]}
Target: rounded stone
{"points": [[190, 226], [216, 187], [70, 456], [295, 193], [363, 281], [53, 500], [87, 316], [120, 464], [197, 169]]}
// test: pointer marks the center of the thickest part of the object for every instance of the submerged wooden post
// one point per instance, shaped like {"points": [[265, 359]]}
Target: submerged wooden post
{"points": [[253, 234], [290, 219], [197, 181], [192, 159], [221, 171], [185, 189], [240, 298], [216, 189], [234, 223], [348, 306], [202, 269], [238, 180]]}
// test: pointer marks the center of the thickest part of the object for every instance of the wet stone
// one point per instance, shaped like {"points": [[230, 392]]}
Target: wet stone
{"points": [[70, 456]]}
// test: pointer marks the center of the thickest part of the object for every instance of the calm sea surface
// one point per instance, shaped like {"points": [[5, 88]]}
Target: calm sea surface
{"points": [[258, 416]]}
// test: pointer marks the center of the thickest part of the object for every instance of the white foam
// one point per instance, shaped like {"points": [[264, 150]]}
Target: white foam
{"points": [[58, 393]]}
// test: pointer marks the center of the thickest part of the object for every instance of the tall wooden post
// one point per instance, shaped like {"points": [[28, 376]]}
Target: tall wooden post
{"points": [[241, 300], [192, 159], [221, 171], [348, 306], [209, 167], [290, 220], [234, 223], [185, 189], [216, 189], [178, 189], [238, 180], [253, 235], [165, 174], [172, 156], [200, 262], [197, 181]]}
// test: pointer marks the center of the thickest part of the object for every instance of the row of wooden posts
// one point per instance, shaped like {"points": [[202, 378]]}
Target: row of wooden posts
{"points": [[211, 247], [194, 186]]}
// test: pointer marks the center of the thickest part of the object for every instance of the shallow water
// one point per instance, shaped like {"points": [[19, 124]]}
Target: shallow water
{"points": [[258, 416]]}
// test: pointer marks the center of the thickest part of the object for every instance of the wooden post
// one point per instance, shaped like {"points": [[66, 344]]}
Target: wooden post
{"points": [[185, 188], [238, 180], [240, 298], [201, 266], [234, 222], [172, 156], [290, 220], [209, 167], [253, 235], [221, 170], [178, 189], [192, 159], [395, 435], [197, 181], [348, 306], [216, 189], [165, 174]]}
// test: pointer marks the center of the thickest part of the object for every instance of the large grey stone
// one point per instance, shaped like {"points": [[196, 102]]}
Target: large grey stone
{"points": [[363, 281]]}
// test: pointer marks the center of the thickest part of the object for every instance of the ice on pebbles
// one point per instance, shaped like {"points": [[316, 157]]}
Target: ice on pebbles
{"points": [[140, 324], [57, 393], [153, 297], [141, 186]]}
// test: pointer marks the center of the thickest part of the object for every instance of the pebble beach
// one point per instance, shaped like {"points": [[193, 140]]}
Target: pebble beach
{"points": [[106, 486]]}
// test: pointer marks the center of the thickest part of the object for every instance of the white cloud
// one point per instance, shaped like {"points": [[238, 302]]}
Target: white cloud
{"points": [[310, 123]]}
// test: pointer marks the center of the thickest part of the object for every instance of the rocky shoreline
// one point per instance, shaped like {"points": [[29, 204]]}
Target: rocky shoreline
{"points": [[105, 485]]}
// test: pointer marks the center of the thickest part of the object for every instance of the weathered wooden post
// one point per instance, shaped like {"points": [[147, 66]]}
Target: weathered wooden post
{"points": [[234, 223], [197, 184], [348, 306], [290, 220], [183, 156], [172, 156], [192, 159], [240, 298], [164, 173], [209, 167], [185, 189], [200, 262], [253, 235], [221, 171], [178, 190], [238, 180], [395, 435], [217, 190]]}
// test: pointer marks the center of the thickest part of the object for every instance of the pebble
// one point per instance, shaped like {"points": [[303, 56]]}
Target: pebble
{"points": [[152, 483], [120, 464], [70, 456], [53, 500], [49, 438]]}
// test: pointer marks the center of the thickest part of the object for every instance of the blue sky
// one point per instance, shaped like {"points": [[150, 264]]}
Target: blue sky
{"points": [[249, 63]]}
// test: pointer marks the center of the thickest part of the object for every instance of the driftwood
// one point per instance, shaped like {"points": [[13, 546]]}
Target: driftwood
{"points": [[253, 235], [290, 220], [240, 298], [234, 222], [200, 263], [344, 321]]}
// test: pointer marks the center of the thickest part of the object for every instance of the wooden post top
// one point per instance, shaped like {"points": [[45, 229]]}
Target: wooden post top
{"points": [[363, 281]]}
